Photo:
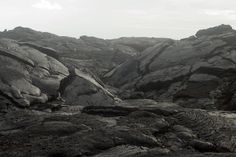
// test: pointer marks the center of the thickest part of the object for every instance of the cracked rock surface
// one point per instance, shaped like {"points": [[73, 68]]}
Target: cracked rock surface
{"points": [[150, 129]]}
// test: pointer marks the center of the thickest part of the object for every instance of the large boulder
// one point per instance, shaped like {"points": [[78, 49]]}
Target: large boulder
{"points": [[81, 89], [27, 75]]}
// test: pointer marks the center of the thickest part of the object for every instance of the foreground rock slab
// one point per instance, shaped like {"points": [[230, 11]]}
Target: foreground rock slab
{"points": [[142, 128]]}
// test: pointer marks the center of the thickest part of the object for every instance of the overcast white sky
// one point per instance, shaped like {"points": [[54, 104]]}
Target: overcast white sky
{"points": [[117, 18]]}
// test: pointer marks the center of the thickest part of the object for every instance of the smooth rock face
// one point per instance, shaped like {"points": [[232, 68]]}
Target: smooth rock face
{"points": [[190, 71], [28, 75]]}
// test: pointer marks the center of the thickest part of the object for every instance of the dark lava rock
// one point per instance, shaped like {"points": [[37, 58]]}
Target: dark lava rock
{"points": [[191, 72], [97, 55], [138, 43], [72, 114], [124, 151], [215, 30], [217, 130], [126, 107], [28, 75], [203, 146], [54, 128], [141, 133], [31, 75], [81, 89]]}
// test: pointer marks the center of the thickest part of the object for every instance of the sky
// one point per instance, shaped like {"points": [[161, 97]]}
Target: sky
{"points": [[118, 18]]}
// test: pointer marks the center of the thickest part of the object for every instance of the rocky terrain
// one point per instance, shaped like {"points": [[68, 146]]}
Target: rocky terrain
{"points": [[196, 72], [94, 54], [127, 97]]}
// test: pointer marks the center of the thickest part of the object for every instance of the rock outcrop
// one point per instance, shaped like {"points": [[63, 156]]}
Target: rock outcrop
{"points": [[192, 72], [222, 29], [28, 75], [83, 90], [31, 74]]}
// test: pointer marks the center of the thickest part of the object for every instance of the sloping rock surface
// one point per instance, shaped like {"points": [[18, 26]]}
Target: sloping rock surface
{"points": [[28, 75], [31, 74], [81, 89], [196, 70]]}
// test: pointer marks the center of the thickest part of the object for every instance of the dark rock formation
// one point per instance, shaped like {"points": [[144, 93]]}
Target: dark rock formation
{"points": [[28, 75], [48, 109], [31, 74], [81, 89], [142, 132], [222, 29], [191, 72]]}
